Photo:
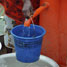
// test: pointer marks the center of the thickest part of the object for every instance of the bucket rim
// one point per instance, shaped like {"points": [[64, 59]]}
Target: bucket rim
{"points": [[44, 32]]}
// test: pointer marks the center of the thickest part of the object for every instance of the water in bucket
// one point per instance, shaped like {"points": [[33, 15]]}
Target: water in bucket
{"points": [[28, 30]]}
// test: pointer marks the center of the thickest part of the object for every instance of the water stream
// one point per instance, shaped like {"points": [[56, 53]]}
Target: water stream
{"points": [[27, 31]]}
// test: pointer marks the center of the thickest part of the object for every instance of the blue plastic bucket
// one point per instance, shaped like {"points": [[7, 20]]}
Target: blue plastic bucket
{"points": [[28, 48]]}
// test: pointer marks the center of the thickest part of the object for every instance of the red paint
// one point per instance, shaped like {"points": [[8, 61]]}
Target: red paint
{"points": [[54, 20]]}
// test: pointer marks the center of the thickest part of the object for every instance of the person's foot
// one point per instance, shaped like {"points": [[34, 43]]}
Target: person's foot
{"points": [[27, 9]]}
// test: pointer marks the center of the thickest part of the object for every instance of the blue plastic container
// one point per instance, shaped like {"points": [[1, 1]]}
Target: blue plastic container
{"points": [[28, 48]]}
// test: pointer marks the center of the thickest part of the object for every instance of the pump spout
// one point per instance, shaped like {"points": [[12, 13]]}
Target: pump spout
{"points": [[36, 13]]}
